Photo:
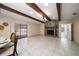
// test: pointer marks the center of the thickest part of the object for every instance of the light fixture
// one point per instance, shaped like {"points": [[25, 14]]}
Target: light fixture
{"points": [[31, 12], [44, 19], [46, 4]]}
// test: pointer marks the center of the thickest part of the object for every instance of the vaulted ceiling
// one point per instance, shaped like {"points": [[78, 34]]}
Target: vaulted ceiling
{"points": [[40, 12]]}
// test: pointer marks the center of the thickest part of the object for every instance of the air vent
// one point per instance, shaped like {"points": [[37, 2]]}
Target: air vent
{"points": [[74, 13]]}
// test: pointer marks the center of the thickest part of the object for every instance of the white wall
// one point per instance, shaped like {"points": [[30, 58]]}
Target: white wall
{"points": [[42, 29], [33, 28], [6, 31], [76, 29]]}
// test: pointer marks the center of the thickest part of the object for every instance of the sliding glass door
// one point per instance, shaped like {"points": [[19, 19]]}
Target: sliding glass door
{"points": [[21, 30]]}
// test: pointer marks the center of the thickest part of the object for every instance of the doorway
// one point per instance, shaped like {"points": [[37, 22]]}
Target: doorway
{"points": [[21, 30], [66, 31]]}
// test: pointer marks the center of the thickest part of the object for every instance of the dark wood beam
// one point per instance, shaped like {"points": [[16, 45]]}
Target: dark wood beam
{"points": [[19, 13], [37, 9], [59, 10]]}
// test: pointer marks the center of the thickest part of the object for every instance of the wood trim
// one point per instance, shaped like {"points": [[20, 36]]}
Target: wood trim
{"points": [[37, 9], [72, 32], [19, 13], [59, 10]]}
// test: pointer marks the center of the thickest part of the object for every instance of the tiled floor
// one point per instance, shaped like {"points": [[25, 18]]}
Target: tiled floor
{"points": [[46, 46]]}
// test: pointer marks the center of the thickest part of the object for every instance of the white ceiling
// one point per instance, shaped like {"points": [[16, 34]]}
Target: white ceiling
{"points": [[50, 10], [24, 8], [67, 9], [14, 16]]}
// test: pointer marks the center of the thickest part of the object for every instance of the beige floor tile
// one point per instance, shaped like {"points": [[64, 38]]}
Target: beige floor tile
{"points": [[45, 46]]}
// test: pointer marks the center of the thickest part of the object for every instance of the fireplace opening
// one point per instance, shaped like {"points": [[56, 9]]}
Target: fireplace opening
{"points": [[50, 32]]}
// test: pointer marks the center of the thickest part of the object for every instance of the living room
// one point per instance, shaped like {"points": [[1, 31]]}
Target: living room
{"points": [[36, 28]]}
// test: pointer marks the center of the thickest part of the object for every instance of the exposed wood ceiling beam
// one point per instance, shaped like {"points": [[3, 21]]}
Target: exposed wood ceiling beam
{"points": [[19, 13], [58, 5], [37, 9]]}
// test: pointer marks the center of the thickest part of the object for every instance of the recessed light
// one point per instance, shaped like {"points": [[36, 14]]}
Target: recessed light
{"points": [[31, 12], [46, 4]]}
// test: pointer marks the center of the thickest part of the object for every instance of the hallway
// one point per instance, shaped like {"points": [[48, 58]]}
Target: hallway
{"points": [[46, 46]]}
